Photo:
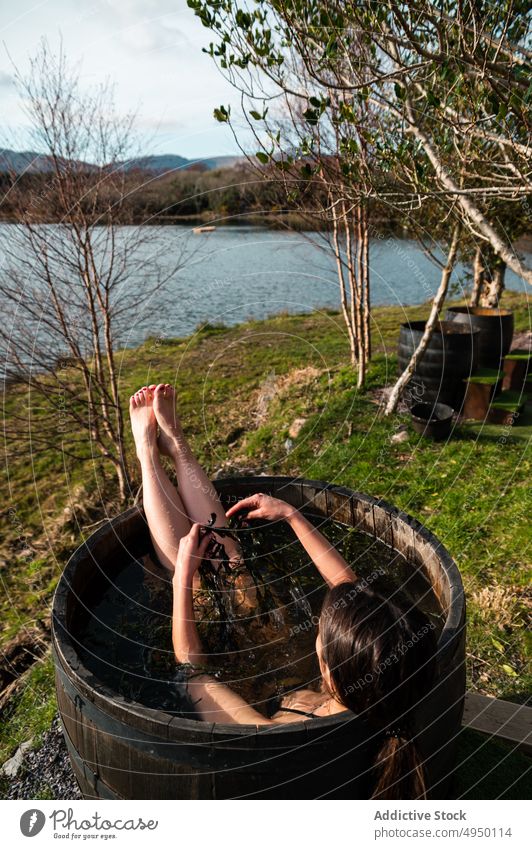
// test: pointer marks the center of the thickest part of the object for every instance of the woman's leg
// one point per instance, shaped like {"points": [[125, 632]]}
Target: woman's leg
{"points": [[167, 517], [199, 496]]}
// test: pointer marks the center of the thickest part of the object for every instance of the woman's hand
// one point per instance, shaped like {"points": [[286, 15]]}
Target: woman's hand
{"points": [[260, 506], [192, 549]]}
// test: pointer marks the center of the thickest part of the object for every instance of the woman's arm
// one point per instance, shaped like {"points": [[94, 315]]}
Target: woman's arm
{"points": [[214, 701], [185, 637], [329, 562]]}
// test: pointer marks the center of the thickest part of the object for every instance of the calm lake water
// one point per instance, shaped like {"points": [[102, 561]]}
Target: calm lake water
{"points": [[236, 273]]}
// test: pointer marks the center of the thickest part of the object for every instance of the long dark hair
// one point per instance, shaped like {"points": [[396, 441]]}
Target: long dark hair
{"points": [[381, 655]]}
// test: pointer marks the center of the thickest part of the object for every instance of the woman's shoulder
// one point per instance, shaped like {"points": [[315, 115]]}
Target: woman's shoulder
{"points": [[299, 705]]}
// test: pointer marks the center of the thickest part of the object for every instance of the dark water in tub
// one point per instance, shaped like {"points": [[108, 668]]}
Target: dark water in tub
{"points": [[125, 633]]}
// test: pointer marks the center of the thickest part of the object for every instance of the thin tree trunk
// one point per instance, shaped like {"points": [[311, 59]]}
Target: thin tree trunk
{"points": [[366, 299], [124, 484], [354, 299], [115, 430], [341, 281], [437, 304], [494, 287], [478, 278], [351, 224], [362, 359], [91, 279], [124, 479]]}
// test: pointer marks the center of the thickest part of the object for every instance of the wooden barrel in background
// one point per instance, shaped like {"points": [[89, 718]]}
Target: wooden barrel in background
{"points": [[450, 357], [495, 331], [122, 749]]}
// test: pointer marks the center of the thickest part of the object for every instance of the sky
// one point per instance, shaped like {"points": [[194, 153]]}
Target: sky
{"points": [[150, 50]]}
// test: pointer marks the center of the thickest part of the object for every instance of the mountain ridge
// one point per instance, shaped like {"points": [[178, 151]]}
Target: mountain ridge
{"points": [[31, 162]]}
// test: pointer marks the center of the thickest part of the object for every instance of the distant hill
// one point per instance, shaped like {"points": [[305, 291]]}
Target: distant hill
{"points": [[166, 162], [26, 160], [36, 163], [172, 162], [222, 162]]}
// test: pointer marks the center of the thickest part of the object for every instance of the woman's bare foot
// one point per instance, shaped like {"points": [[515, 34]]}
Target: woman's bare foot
{"points": [[143, 421], [171, 435]]}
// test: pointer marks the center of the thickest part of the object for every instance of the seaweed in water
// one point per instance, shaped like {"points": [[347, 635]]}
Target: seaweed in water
{"points": [[215, 571], [220, 573]]}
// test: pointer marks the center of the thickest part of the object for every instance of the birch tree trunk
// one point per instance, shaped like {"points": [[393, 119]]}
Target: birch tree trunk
{"points": [[354, 279], [366, 302], [437, 304], [493, 286], [349, 318], [478, 278]]}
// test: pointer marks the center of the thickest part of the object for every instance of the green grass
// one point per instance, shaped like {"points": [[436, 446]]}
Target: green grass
{"points": [[510, 400], [520, 355], [239, 390], [31, 713], [488, 376]]}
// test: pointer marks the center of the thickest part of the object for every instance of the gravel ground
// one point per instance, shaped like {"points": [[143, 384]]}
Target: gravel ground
{"points": [[46, 772]]}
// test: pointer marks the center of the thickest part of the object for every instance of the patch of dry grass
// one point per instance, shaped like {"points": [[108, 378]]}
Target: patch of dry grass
{"points": [[508, 607]]}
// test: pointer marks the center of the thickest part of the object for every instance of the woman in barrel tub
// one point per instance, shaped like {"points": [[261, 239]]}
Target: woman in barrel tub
{"points": [[361, 636]]}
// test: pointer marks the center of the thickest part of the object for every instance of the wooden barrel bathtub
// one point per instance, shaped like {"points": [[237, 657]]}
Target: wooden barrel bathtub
{"points": [[122, 749]]}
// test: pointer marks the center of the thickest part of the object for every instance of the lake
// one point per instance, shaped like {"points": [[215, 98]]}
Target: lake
{"points": [[238, 272]]}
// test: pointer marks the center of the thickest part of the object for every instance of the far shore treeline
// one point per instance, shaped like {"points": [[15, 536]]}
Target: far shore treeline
{"points": [[237, 194]]}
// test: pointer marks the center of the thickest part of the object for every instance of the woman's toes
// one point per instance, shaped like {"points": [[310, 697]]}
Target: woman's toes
{"points": [[132, 402]]}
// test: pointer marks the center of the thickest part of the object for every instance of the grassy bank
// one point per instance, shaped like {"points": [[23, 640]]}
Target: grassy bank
{"points": [[239, 391]]}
